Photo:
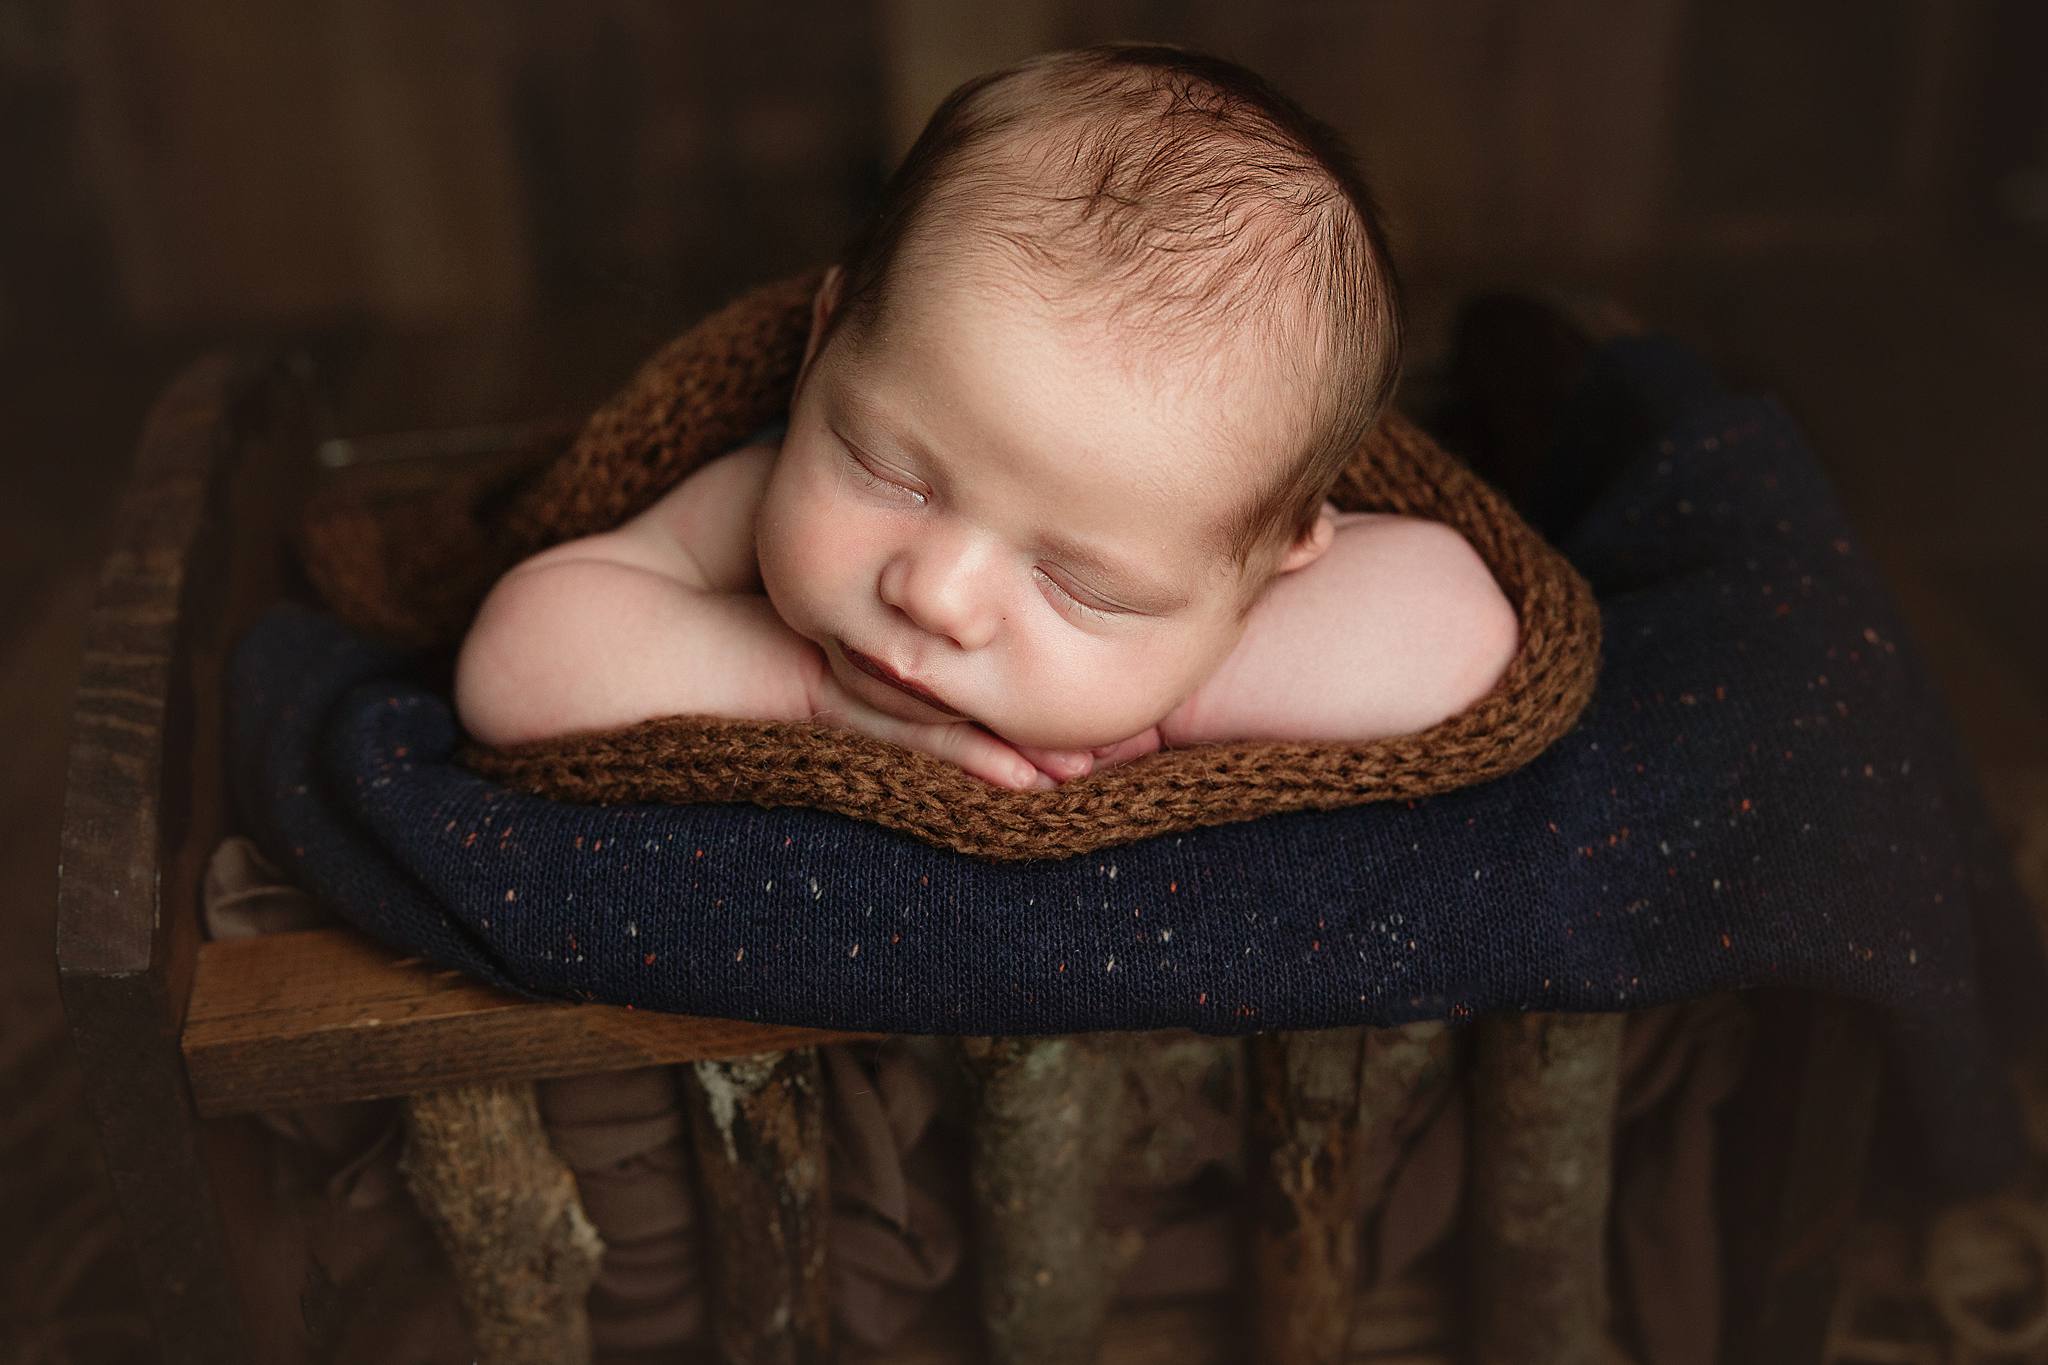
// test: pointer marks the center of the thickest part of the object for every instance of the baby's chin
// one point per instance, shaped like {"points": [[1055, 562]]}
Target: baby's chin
{"points": [[1025, 735], [1020, 732]]}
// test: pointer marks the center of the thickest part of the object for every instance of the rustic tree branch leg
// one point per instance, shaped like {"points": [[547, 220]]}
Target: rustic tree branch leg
{"points": [[505, 1209], [1048, 1119], [1319, 1097], [1306, 1195], [1544, 1090], [1399, 1063], [759, 1128], [1202, 1072]]}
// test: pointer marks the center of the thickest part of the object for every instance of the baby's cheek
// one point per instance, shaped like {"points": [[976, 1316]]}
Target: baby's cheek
{"points": [[797, 554]]}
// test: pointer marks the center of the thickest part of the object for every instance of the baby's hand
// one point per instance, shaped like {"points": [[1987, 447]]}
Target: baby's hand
{"points": [[1068, 764], [963, 743]]}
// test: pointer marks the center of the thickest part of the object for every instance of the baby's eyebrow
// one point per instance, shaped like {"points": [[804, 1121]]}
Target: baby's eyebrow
{"points": [[1136, 589]]}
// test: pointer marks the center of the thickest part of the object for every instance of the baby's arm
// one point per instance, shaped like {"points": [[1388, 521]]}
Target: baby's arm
{"points": [[663, 616], [667, 616], [1397, 626]]}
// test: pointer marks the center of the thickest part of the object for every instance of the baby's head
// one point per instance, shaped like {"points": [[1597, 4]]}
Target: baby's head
{"points": [[1078, 393]]}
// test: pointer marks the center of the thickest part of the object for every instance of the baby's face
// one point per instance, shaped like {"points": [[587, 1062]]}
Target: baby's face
{"points": [[1012, 513]]}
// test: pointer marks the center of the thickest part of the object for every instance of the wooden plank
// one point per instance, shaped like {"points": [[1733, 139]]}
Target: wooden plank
{"points": [[125, 729], [390, 183], [931, 46], [135, 806], [156, 1163], [326, 1015]]}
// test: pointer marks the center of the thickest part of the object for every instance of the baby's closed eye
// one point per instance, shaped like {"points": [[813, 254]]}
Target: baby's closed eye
{"points": [[1064, 591]]}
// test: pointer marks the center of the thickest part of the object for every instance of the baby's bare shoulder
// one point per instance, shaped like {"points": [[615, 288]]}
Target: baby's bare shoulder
{"points": [[711, 515], [1431, 563], [700, 533], [716, 489], [1397, 626]]}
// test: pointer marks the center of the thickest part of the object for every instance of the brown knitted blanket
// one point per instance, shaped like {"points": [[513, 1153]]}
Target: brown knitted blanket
{"points": [[415, 571]]}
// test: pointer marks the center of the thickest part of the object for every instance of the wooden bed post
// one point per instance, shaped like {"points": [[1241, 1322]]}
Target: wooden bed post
{"points": [[1544, 1088], [144, 803], [759, 1129], [504, 1207]]}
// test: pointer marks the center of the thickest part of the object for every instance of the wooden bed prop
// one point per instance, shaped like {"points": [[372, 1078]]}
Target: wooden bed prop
{"points": [[179, 1039]]}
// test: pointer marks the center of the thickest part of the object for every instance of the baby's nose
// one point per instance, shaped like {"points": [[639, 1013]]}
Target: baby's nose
{"points": [[943, 587]]}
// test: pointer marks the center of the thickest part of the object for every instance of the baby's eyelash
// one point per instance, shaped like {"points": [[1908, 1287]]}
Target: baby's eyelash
{"points": [[1072, 604], [1096, 613], [873, 480]]}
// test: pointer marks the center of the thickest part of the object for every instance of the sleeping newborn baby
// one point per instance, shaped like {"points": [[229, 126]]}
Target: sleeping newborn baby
{"points": [[1052, 492]]}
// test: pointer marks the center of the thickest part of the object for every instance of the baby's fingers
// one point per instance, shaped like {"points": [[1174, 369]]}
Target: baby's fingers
{"points": [[965, 745], [1137, 746], [982, 754], [1063, 764]]}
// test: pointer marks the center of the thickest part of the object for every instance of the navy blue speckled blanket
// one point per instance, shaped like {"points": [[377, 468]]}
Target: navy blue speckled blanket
{"points": [[1765, 791]]}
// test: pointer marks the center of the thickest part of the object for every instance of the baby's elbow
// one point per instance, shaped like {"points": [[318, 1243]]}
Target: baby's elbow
{"points": [[501, 690], [1496, 635], [1484, 632], [486, 707]]}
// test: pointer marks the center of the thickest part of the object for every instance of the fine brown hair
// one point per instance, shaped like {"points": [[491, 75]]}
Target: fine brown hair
{"points": [[1193, 196]]}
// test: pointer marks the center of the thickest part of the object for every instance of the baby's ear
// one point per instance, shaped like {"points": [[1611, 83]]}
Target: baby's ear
{"points": [[823, 305], [1309, 547]]}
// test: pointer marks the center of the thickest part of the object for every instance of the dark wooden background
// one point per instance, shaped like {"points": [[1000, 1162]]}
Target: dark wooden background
{"points": [[489, 209]]}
